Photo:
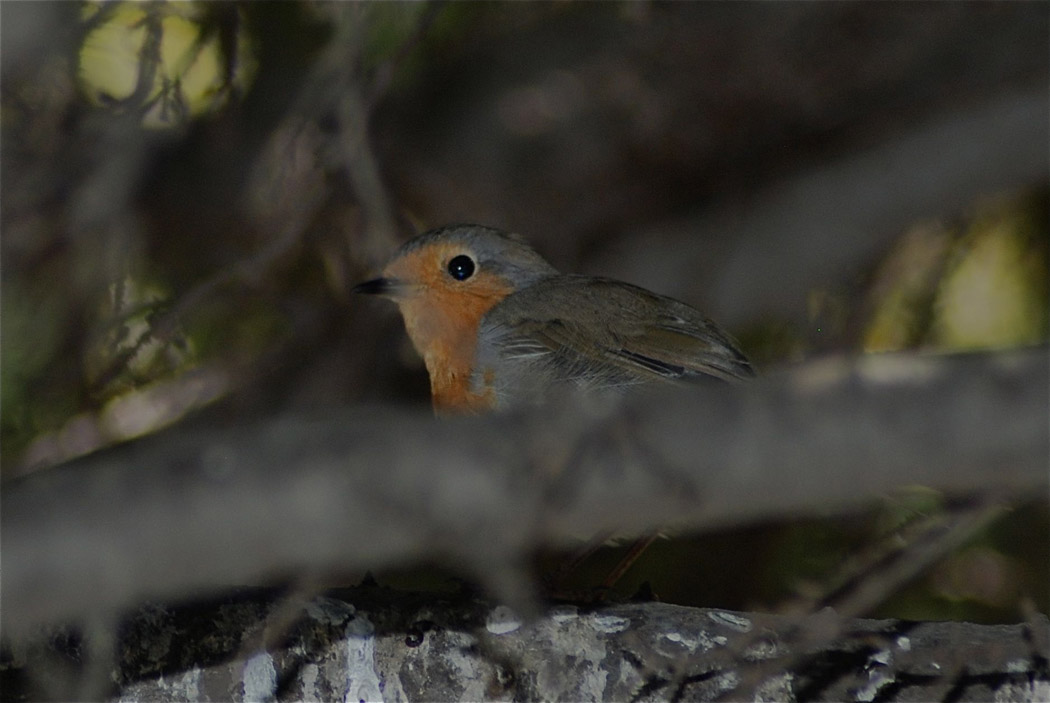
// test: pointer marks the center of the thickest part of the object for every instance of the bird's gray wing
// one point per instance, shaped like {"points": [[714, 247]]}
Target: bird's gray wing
{"points": [[599, 333]]}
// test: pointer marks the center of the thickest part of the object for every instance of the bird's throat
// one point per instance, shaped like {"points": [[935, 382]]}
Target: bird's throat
{"points": [[447, 344]]}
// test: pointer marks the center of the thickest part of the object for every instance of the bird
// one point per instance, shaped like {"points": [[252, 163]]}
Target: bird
{"points": [[499, 327]]}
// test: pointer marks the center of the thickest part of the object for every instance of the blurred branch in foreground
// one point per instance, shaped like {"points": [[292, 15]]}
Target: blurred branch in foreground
{"points": [[193, 510]]}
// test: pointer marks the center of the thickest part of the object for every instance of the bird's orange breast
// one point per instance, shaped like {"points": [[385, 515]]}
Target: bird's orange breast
{"points": [[442, 321]]}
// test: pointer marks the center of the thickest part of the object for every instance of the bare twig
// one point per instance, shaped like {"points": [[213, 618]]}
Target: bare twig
{"points": [[876, 581]]}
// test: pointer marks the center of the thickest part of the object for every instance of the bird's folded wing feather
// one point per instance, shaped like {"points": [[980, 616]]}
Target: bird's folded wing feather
{"points": [[600, 332]]}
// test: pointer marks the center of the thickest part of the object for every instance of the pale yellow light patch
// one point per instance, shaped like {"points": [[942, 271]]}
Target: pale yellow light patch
{"points": [[128, 329], [982, 287], [905, 277], [188, 80], [988, 301]]}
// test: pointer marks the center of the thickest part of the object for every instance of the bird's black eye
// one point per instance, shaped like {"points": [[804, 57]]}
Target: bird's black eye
{"points": [[461, 267]]}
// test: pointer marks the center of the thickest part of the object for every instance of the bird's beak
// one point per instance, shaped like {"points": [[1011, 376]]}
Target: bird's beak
{"points": [[388, 287]]}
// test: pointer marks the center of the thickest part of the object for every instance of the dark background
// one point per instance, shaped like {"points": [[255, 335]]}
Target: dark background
{"points": [[819, 178]]}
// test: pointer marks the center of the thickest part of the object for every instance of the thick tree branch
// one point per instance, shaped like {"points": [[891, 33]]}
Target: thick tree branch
{"points": [[373, 644], [195, 509]]}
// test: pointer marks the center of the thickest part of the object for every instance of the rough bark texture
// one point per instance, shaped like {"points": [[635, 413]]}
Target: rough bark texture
{"points": [[373, 644]]}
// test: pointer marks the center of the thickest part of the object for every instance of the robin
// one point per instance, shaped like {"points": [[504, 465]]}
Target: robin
{"points": [[498, 326]]}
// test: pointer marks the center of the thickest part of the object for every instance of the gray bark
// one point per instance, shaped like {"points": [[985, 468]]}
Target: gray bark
{"points": [[374, 644]]}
